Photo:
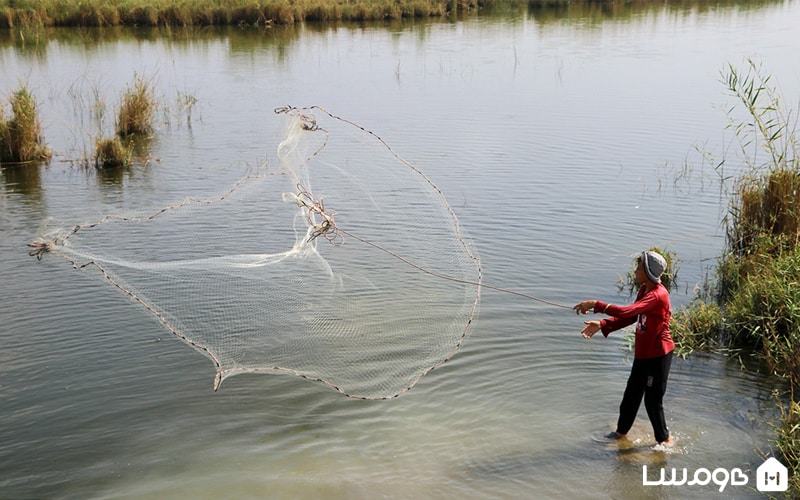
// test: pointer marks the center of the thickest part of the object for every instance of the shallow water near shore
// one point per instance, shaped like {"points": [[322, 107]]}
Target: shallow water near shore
{"points": [[564, 144]]}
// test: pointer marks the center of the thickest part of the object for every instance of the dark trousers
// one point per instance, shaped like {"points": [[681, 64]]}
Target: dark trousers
{"points": [[649, 379]]}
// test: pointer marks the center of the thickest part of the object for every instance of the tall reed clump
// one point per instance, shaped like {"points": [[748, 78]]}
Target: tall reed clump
{"points": [[21, 135], [135, 121], [755, 304], [756, 273], [137, 110]]}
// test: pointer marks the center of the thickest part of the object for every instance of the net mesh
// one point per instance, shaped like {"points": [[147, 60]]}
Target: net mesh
{"points": [[344, 264]]}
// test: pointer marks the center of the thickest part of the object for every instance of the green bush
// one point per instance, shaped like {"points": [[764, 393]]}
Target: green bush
{"points": [[765, 313], [697, 327]]}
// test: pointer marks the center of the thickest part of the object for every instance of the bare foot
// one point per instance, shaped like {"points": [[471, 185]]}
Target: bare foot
{"points": [[665, 445]]}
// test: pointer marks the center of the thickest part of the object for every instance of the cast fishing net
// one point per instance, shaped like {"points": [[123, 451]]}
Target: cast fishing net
{"points": [[343, 264]]}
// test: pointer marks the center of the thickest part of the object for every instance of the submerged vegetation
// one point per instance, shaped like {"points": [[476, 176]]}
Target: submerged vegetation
{"points": [[754, 304], [110, 153], [21, 134]]}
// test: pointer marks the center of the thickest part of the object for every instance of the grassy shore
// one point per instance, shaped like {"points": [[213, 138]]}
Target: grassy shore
{"points": [[753, 305], [214, 12], [104, 13]]}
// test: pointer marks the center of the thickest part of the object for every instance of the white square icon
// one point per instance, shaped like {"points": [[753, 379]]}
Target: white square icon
{"points": [[772, 476]]}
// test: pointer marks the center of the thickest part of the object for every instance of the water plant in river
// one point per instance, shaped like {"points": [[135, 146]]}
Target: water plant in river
{"points": [[134, 126], [137, 110], [755, 303], [21, 135], [110, 153]]}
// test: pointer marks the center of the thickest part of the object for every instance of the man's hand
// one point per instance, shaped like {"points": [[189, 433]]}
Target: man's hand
{"points": [[590, 329], [584, 307]]}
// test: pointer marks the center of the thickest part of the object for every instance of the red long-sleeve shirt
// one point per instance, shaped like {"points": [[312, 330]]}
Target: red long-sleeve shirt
{"points": [[651, 312]]}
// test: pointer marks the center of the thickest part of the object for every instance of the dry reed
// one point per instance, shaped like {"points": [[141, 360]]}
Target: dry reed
{"points": [[137, 110], [21, 135], [110, 153]]}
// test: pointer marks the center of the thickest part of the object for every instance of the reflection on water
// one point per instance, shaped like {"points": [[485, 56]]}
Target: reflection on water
{"points": [[24, 179], [34, 41], [556, 139]]}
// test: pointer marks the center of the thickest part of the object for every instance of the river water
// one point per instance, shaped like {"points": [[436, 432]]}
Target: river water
{"points": [[565, 142]]}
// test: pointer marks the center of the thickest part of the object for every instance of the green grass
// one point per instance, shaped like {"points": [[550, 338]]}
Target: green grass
{"points": [[764, 313], [754, 305], [21, 13], [103, 13], [788, 442], [697, 327]]}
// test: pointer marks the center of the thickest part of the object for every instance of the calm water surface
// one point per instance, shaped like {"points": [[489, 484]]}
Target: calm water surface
{"points": [[565, 145]]}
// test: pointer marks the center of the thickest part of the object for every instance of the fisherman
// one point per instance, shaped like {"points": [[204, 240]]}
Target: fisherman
{"points": [[651, 312]]}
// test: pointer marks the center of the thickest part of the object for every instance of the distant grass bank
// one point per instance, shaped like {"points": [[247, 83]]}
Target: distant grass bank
{"points": [[27, 14]]}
